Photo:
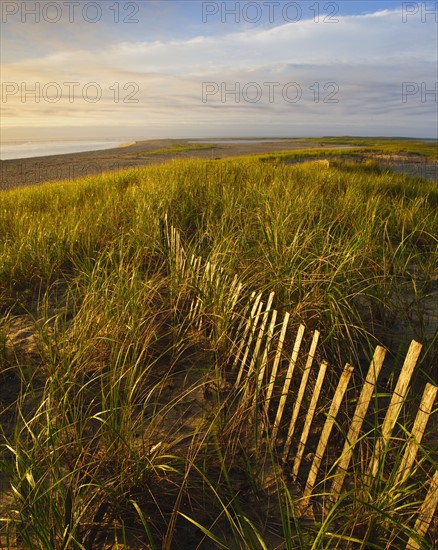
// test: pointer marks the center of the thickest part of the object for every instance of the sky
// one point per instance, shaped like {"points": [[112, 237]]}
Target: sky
{"points": [[150, 69]]}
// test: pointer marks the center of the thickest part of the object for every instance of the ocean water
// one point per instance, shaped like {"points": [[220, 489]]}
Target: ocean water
{"points": [[28, 149]]}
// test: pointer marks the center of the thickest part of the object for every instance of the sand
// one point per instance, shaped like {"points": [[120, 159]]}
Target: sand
{"points": [[37, 170]]}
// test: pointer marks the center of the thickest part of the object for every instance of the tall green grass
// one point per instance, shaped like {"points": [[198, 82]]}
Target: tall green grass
{"points": [[114, 434]]}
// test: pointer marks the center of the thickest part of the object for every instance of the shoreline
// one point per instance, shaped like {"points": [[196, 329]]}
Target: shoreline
{"points": [[35, 149], [69, 166], [16, 173]]}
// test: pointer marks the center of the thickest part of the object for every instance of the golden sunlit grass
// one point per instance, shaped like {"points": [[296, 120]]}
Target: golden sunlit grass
{"points": [[109, 432], [178, 149]]}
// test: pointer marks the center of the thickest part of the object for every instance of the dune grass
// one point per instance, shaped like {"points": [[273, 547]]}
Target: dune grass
{"points": [[110, 431], [179, 149]]}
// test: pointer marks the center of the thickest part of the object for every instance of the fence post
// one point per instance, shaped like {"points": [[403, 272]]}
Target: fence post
{"points": [[358, 418], [397, 400], [307, 422], [244, 335], [252, 332], [421, 419], [425, 513], [325, 434], [287, 381], [260, 335], [301, 391], [264, 360], [276, 361]]}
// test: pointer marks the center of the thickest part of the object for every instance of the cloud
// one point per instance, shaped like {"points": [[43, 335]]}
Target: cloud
{"points": [[347, 71]]}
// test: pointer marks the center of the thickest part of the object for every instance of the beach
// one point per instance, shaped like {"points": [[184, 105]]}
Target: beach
{"points": [[67, 167], [38, 170], [11, 150]]}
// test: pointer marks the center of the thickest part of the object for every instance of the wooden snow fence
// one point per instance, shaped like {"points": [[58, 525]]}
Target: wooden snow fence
{"points": [[278, 380]]}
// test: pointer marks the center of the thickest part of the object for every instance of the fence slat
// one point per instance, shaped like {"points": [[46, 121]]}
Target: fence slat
{"points": [[236, 333], [307, 422], [264, 360], [277, 358], [260, 336], [425, 513], [358, 418], [244, 336], [236, 289], [196, 302], [249, 342], [203, 286], [325, 434], [287, 382], [395, 405], [301, 391], [420, 423]]}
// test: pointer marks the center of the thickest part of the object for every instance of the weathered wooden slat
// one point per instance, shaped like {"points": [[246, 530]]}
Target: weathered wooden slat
{"points": [[236, 289], [325, 434], [202, 286], [260, 335], [301, 391], [358, 418], [420, 423], [425, 513], [246, 331], [287, 382], [307, 422], [264, 359], [196, 303], [395, 405], [276, 362], [255, 354], [237, 333], [248, 343], [232, 313]]}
